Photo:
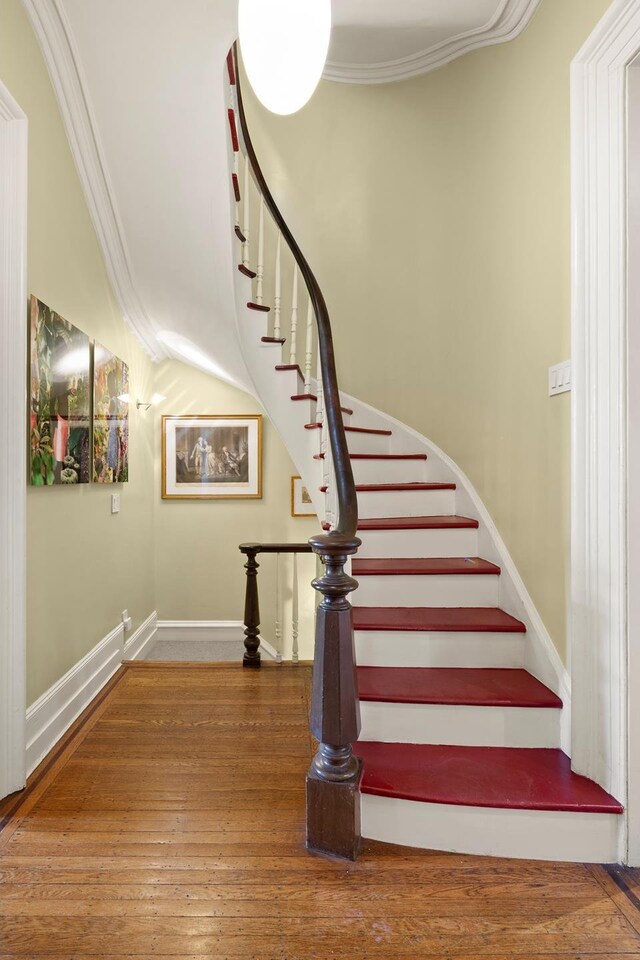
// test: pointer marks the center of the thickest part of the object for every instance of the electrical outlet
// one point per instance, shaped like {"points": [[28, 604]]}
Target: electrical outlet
{"points": [[115, 503], [560, 378], [126, 620]]}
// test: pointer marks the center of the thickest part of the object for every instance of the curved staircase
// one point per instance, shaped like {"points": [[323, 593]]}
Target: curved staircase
{"points": [[462, 695]]}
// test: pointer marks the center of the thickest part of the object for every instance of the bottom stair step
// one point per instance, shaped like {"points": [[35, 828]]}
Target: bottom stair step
{"points": [[489, 801], [481, 777]]}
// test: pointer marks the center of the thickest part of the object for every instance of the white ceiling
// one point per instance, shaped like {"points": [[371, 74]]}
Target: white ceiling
{"points": [[141, 87], [377, 31]]}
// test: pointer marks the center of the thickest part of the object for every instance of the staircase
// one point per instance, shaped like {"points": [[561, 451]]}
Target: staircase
{"points": [[464, 702]]}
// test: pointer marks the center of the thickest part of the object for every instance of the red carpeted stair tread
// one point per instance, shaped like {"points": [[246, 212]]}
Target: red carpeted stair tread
{"points": [[437, 619], [454, 686], [312, 396], [498, 777], [418, 523], [380, 456], [377, 433], [421, 567], [399, 487]]}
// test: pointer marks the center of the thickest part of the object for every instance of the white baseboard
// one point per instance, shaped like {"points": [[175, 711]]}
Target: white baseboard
{"points": [[208, 630], [54, 712], [139, 641]]}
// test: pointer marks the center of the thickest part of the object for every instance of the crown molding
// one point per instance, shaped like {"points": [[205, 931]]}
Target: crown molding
{"points": [[509, 20], [54, 35]]}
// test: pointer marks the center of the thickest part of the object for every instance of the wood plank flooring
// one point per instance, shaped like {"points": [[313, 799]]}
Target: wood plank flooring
{"points": [[169, 823]]}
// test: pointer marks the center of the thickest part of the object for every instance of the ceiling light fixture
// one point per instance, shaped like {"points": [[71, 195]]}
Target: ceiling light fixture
{"points": [[284, 46]]}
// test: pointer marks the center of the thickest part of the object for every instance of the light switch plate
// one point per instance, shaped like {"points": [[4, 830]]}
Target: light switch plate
{"points": [[560, 378], [115, 503]]}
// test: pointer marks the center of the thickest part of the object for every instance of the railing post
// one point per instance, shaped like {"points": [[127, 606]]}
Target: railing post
{"points": [[333, 780], [251, 609]]}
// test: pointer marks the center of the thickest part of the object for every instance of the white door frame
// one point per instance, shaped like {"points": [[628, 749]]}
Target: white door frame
{"points": [[13, 440], [599, 507]]}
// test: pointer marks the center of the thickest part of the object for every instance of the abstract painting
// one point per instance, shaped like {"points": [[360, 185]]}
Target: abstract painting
{"points": [[110, 417], [212, 457], [59, 399]]}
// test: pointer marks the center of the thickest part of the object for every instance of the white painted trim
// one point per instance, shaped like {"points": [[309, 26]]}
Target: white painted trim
{"points": [[510, 19], [485, 831], [54, 712], [141, 639], [13, 440], [598, 623], [218, 631], [541, 656], [54, 34]]}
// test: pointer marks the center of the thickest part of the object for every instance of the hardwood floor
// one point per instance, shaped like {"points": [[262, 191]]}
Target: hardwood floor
{"points": [[170, 823]]}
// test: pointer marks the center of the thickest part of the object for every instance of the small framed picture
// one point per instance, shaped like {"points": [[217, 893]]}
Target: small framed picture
{"points": [[212, 457], [301, 502]]}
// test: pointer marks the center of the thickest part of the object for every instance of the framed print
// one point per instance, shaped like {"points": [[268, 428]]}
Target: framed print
{"points": [[301, 502], [212, 457], [59, 399], [110, 417]]}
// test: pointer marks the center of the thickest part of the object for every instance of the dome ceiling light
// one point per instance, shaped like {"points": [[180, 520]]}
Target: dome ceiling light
{"points": [[284, 46]]}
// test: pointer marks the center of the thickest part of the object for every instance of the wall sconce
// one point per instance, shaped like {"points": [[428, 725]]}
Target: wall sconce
{"points": [[145, 404]]}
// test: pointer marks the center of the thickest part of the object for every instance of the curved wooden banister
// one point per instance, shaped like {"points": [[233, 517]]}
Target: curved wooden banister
{"points": [[345, 486], [333, 780]]}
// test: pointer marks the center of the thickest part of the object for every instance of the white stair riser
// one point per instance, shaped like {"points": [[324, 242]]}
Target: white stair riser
{"points": [[465, 726], [406, 503], [389, 471], [472, 590], [389, 648], [447, 542], [367, 442], [484, 831]]}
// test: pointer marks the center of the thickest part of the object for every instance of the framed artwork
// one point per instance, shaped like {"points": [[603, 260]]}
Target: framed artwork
{"points": [[211, 457], [301, 502], [110, 417], [59, 399]]}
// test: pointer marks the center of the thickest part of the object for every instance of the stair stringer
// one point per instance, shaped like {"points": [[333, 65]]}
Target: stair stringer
{"points": [[541, 657]]}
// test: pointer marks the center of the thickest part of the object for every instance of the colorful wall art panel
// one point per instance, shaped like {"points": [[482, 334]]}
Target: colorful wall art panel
{"points": [[60, 399], [110, 417]]}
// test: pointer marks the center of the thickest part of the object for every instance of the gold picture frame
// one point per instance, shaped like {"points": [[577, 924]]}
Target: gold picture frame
{"points": [[299, 502], [212, 457]]}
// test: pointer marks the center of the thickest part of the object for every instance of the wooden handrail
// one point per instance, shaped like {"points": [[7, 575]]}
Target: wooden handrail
{"points": [[333, 780], [247, 548], [345, 485]]}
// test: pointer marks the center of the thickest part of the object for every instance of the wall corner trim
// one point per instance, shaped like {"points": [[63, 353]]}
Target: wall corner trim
{"points": [[54, 35], [13, 440], [508, 22], [598, 617], [54, 712]]}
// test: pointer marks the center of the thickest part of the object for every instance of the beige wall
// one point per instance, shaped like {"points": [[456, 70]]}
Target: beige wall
{"points": [[199, 569], [436, 213], [84, 565]]}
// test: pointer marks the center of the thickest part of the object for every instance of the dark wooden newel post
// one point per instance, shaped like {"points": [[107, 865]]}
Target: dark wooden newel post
{"points": [[333, 780], [251, 608]]}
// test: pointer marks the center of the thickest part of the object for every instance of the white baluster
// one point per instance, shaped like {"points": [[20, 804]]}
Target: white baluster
{"points": [[319, 391], [278, 640], [308, 353], [260, 265], [294, 611], [277, 297], [246, 214], [294, 314]]}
